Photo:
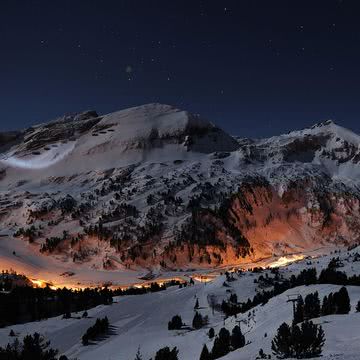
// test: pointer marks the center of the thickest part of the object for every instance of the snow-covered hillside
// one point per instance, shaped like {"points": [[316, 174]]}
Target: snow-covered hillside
{"points": [[155, 188], [141, 320]]}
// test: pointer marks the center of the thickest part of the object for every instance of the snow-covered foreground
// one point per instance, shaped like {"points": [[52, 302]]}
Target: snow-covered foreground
{"points": [[142, 320]]}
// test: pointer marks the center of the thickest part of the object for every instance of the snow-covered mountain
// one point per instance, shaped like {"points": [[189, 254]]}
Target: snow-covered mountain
{"points": [[157, 187]]}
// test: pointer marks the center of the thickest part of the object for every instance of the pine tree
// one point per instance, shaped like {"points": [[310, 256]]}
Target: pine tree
{"points": [[328, 305], [175, 323], [301, 342], [205, 355], [358, 306], [34, 347], [325, 306], [221, 345], [237, 338], [342, 301], [233, 298], [197, 322], [311, 340], [138, 354], [299, 310], [282, 342], [312, 306], [167, 354], [196, 304], [212, 332]]}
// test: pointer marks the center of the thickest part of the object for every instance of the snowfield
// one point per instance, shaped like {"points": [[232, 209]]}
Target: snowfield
{"points": [[141, 320]]}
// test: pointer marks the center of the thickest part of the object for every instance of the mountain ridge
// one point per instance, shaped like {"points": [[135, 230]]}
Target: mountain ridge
{"points": [[159, 188]]}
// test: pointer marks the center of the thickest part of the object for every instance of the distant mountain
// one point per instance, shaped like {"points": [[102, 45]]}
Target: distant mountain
{"points": [[156, 186]]}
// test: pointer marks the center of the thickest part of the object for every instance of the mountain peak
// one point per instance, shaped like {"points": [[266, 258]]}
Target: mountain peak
{"points": [[86, 141], [324, 123]]}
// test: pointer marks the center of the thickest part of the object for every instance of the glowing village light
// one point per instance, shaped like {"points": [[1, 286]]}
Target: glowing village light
{"points": [[285, 260]]}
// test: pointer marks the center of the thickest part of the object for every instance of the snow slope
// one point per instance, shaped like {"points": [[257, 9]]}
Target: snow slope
{"points": [[142, 320]]}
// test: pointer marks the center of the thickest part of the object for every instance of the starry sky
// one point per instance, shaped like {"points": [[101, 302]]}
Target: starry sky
{"points": [[254, 67]]}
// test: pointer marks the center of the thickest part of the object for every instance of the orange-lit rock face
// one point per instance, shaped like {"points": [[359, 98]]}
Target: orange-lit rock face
{"points": [[300, 219]]}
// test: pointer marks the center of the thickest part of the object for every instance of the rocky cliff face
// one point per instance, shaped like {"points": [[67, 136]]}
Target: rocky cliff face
{"points": [[154, 185]]}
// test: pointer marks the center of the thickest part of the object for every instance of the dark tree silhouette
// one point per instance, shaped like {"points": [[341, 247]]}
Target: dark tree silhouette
{"points": [[205, 354], [301, 342], [282, 342], [167, 354], [342, 301], [221, 345], [237, 338], [299, 310], [32, 347], [196, 304], [312, 306], [175, 323], [198, 321]]}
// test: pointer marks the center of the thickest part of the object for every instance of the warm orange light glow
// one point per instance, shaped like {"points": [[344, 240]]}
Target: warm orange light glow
{"points": [[203, 278], [285, 260], [42, 284]]}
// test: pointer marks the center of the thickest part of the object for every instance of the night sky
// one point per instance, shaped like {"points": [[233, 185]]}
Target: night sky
{"points": [[256, 68]]}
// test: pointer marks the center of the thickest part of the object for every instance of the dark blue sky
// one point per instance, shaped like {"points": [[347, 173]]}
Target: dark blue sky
{"points": [[256, 68]]}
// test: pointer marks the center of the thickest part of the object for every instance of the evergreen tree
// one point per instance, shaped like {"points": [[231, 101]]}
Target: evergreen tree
{"points": [[325, 306], [311, 340], [312, 306], [233, 298], [138, 354], [237, 338], [167, 354], [281, 345], [212, 332], [299, 342], [34, 347], [358, 306], [175, 323], [196, 304], [342, 301], [221, 345], [299, 310], [205, 355], [197, 322]]}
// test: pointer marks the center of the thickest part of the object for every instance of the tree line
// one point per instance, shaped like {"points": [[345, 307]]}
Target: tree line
{"points": [[25, 304], [306, 277]]}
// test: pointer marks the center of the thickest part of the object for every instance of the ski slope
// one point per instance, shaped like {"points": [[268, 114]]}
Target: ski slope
{"points": [[142, 320]]}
